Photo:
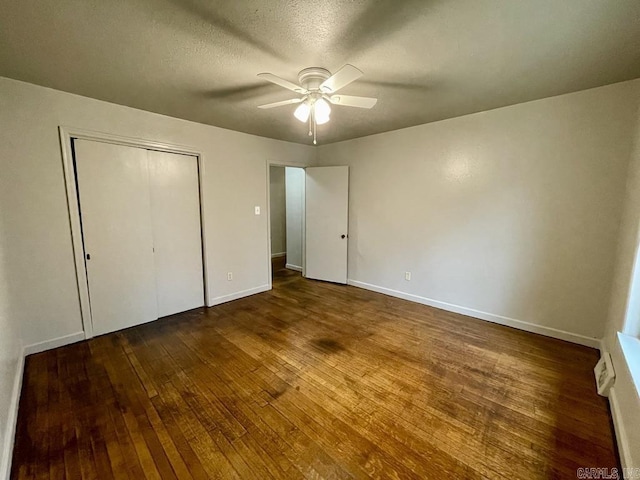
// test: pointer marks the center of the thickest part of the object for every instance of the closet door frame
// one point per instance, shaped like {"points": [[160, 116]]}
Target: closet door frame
{"points": [[67, 134]]}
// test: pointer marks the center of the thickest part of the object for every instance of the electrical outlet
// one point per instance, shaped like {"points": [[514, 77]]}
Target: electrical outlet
{"points": [[229, 276], [407, 276]]}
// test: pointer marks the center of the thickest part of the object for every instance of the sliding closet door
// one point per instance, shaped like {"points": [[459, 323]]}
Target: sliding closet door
{"points": [[175, 210], [113, 184]]}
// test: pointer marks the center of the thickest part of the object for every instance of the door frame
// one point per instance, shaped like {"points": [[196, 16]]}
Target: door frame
{"points": [[66, 134], [276, 163]]}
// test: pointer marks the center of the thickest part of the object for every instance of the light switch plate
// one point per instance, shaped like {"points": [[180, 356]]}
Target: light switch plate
{"points": [[257, 210]]}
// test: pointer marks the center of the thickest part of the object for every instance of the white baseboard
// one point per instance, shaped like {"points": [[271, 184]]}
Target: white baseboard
{"points": [[624, 399], [237, 295], [278, 255], [290, 266], [12, 420], [490, 317], [621, 434], [54, 343]]}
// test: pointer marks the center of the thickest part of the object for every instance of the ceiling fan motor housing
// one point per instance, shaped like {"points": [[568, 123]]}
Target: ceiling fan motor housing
{"points": [[311, 78]]}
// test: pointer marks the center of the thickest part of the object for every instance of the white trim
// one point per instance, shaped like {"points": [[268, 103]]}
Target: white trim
{"points": [[630, 347], [12, 420], [76, 231], [291, 266], [241, 294], [490, 317], [279, 255], [621, 434], [66, 134], [97, 136], [206, 266], [53, 343], [268, 212]]}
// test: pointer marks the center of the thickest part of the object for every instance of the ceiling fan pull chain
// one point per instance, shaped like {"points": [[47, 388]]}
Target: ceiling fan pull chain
{"points": [[315, 128]]}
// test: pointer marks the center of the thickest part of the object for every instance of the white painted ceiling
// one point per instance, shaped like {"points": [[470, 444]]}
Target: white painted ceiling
{"points": [[425, 60]]}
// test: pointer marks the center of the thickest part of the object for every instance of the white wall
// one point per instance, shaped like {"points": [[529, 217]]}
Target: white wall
{"points": [[38, 285], [626, 288], [510, 215], [10, 349], [295, 178], [624, 316], [278, 208]]}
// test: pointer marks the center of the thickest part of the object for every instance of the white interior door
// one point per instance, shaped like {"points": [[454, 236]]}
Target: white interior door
{"points": [[175, 209], [113, 185], [327, 212]]}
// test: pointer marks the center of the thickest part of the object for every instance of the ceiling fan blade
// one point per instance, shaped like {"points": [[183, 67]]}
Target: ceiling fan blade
{"points": [[282, 103], [341, 78], [353, 101], [270, 77]]}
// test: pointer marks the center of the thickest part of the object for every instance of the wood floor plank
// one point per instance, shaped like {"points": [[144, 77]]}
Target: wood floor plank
{"points": [[313, 380], [210, 457], [167, 415]]}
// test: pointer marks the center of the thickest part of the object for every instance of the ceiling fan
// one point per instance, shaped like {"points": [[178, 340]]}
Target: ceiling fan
{"points": [[318, 89]]}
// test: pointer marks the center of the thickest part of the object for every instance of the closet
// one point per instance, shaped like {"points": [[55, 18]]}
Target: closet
{"points": [[140, 218]]}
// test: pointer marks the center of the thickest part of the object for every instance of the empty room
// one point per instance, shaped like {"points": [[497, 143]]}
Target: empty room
{"points": [[339, 239]]}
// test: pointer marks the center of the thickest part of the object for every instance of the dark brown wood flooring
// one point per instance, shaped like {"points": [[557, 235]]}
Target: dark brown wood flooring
{"points": [[313, 380]]}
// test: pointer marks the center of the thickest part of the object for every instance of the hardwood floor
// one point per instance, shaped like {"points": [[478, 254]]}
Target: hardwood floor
{"points": [[278, 263], [313, 380]]}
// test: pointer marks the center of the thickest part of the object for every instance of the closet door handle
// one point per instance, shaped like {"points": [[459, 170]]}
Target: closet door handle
{"points": [[88, 256]]}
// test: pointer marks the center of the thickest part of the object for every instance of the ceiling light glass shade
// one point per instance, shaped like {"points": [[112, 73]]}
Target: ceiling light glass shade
{"points": [[302, 112], [321, 120], [322, 109]]}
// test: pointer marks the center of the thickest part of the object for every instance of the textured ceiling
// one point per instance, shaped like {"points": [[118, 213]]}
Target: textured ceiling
{"points": [[425, 60]]}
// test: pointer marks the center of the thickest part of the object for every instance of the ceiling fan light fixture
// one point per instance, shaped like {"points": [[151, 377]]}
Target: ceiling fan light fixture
{"points": [[322, 109], [317, 86], [321, 119], [302, 112]]}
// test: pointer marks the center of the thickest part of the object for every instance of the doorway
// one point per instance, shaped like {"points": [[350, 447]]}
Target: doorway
{"points": [[308, 222], [286, 214]]}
